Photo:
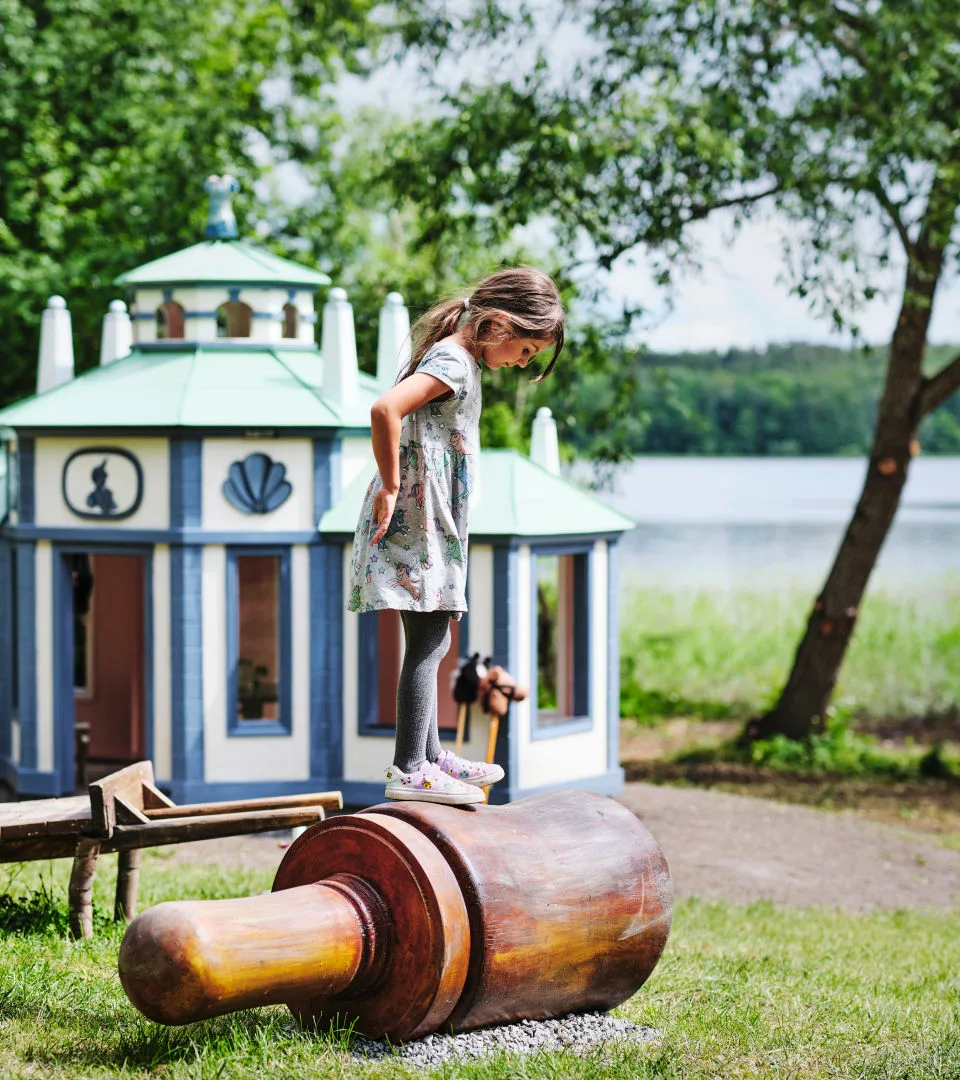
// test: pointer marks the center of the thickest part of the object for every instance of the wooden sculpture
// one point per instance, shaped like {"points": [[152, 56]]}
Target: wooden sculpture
{"points": [[412, 917], [494, 687]]}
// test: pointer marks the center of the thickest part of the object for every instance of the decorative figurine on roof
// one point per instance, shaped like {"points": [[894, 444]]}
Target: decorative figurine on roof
{"points": [[221, 223]]}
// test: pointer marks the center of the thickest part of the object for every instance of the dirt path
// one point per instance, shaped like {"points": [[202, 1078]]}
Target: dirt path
{"points": [[731, 847]]}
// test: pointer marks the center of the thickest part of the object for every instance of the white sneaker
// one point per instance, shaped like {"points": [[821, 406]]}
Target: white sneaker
{"points": [[427, 783], [471, 772]]}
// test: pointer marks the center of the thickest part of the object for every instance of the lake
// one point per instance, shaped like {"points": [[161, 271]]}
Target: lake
{"points": [[718, 522]]}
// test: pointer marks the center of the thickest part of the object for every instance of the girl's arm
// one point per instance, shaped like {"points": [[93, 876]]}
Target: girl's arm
{"points": [[385, 415]]}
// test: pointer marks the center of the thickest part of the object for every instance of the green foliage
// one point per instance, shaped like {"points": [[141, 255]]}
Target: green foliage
{"points": [[702, 653], [113, 112]]}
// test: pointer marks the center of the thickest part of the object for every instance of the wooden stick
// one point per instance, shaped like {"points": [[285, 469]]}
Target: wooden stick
{"points": [[213, 826], [461, 726], [128, 878], [329, 800], [491, 748], [80, 892]]}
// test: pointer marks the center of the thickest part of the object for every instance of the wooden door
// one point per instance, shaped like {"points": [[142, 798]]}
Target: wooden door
{"points": [[110, 658]]}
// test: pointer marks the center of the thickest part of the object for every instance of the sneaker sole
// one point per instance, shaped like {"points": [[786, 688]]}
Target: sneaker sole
{"points": [[425, 795]]}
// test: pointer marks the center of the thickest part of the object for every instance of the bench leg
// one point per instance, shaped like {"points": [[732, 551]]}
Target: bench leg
{"points": [[81, 888], [128, 879]]}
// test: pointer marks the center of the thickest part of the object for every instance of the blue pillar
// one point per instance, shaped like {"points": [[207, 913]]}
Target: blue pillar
{"points": [[186, 614], [7, 630], [506, 597], [326, 623], [26, 631]]}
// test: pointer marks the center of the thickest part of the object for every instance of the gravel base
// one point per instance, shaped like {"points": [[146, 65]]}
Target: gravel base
{"points": [[580, 1033]]}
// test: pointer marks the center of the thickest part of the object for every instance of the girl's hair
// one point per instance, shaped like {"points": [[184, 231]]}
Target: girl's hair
{"points": [[520, 302]]}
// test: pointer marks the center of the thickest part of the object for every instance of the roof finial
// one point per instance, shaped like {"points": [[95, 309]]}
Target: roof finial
{"points": [[221, 224]]}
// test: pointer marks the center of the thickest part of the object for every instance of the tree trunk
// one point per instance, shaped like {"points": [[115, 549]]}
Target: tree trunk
{"points": [[809, 687]]}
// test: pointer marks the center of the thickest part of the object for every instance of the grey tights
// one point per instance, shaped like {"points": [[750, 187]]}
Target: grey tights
{"points": [[427, 636]]}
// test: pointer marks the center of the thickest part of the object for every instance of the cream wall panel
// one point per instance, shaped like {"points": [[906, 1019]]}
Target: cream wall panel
{"points": [[154, 458], [254, 758], [44, 628], [161, 752], [480, 599], [567, 757], [15, 742], [356, 456], [145, 302], [295, 513]]}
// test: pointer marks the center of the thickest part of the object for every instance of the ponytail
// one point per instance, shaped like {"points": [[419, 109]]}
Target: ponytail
{"points": [[517, 302]]}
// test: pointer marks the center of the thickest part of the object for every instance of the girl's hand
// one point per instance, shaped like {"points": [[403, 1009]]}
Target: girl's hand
{"points": [[383, 506]]}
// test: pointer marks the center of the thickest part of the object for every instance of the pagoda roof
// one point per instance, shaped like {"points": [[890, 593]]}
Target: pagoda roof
{"points": [[514, 497], [231, 262], [220, 387]]}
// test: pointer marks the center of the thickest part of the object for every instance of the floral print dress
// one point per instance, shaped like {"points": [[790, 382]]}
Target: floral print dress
{"points": [[421, 562]]}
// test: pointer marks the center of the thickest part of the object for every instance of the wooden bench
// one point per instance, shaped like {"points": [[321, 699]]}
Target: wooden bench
{"points": [[125, 812]]}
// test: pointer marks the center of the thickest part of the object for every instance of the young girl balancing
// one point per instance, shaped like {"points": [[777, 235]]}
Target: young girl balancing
{"points": [[410, 548]]}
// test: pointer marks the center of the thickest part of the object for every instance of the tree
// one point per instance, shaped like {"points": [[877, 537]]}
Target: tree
{"points": [[113, 112], [833, 112]]}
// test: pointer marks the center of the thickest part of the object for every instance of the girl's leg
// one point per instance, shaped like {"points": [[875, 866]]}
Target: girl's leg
{"points": [[427, 636]]}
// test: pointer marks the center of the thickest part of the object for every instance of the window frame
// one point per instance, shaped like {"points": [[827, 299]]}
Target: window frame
{"points": [[258, 728], [583, 643]]}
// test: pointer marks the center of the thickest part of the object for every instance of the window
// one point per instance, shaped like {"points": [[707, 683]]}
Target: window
{"points": [[562, 639], [381, 656], [234, 319], [258, 612], [169, 321], [291, 321]]}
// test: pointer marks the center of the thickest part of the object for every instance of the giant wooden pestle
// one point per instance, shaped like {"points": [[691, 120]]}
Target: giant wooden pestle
{"points": [[411, 917]]}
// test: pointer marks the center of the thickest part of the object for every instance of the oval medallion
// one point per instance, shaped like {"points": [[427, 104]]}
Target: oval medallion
{"points": [[102, 483]]}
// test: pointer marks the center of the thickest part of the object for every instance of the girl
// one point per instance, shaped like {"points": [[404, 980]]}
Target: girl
{"points": [[410, 548]]}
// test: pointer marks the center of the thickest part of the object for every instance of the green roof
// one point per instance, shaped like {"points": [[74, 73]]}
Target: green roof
{"points": [[515, 497], [221, 387], [233, 262]]}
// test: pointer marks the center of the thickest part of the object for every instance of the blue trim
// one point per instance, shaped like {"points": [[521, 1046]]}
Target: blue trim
{"points": [[167, 298], [326, 620], [605, 783], [26, 501], [186, 485], [64, 765], [283, 725], [309, 317], [326, 660], [234, 294], [367, 676], [33, 782], [583, 719], [27, 654], [186, 662], [506, 652], [185, 535], [613, 656], [7, 632]]}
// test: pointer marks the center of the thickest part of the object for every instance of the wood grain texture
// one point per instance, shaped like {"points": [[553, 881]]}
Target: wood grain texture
{"points": [[569, 897], [190, 960], [425, 937]]}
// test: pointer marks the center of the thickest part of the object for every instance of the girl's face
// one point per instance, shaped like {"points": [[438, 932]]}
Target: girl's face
{"points": [[514, 352]]}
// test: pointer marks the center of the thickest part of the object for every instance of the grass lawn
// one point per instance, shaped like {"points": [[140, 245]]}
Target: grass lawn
{"points": [[740, 992], [715, 655]]}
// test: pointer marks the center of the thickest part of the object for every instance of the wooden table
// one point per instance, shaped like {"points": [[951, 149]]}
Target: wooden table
{"points": [[125, 812]]}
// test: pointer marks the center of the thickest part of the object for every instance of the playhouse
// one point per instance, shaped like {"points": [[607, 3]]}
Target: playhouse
{"points": [[175, 531]]}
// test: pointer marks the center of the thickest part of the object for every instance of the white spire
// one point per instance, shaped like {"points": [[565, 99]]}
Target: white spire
{"points": [[393, 340], [544, 447], [116, 339], [56, 346], [341, 382]]}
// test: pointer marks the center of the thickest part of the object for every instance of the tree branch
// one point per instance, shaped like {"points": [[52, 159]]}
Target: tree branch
{"points": [[939, 387], [893, 210]]}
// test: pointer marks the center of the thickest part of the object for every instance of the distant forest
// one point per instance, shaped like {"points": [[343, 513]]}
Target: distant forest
{"points": [[787, 399]]}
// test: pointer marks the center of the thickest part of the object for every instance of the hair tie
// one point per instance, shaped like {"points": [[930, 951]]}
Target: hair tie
{"points": [[466, 303]]}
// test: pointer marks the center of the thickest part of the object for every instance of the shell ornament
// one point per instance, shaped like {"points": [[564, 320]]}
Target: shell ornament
{"points": [[256, 485]]}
